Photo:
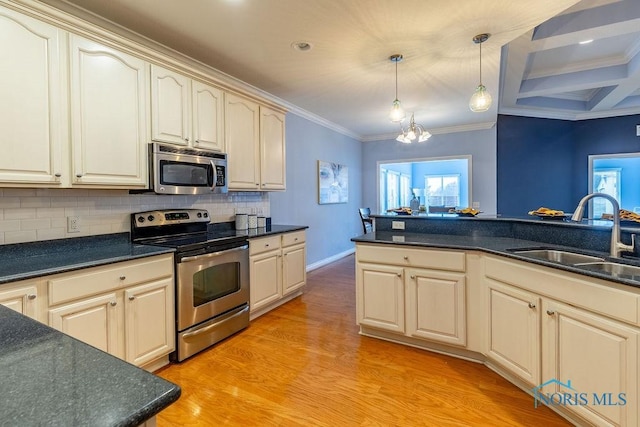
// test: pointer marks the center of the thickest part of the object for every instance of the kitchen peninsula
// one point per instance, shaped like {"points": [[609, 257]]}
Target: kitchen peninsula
{"points": [[533, 300]]}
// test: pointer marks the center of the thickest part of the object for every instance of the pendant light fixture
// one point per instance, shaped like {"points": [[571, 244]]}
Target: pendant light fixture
{"points": [[397, 114], [413, 132], [481, 99]]}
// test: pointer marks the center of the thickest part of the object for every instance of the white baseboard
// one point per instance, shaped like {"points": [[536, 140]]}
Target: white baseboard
{"points": [[329, 260]]}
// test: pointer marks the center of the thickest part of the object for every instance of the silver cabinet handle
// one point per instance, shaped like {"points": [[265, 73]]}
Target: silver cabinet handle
{"points": [[532, 305], [187, 139], [58, 175], [31, 296], [131, 298], [123, 277], [113, 303], [399, 274], [79, 175], [406, 258], [266, 245], [413, 277], [197, 141], [551, 312]]}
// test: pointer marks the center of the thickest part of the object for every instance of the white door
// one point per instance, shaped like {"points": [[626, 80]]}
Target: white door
{"points": [[93, 321], [513, 332], [242, 123], [272, 150], [265, 272], [108, 115], [599, 357], [170, 106], [149, 327], [294, 265], [380, 297], [30, 107], [435, 306], [208, 107]]}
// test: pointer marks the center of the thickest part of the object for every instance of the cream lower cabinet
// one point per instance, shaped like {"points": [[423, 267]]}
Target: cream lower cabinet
{"points": [[577, 350], [513, 330], [277, 270], [410, 292], [125, 309], [23, 297]]}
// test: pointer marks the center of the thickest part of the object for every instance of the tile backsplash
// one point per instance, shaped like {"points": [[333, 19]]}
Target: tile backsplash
{"points": [[41, 214]]}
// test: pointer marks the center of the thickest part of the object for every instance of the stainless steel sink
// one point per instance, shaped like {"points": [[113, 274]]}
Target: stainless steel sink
{"points": [[554, 255], [613, 268]]}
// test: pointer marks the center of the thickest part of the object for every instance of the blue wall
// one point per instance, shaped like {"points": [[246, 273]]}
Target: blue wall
{"points": [[480, 144], [545, 162], [330, 226]]}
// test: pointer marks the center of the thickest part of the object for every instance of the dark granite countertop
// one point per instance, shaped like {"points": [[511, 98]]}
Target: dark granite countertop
{"points": [[503, 246], [34, 259], [51, 379], [272, 229]]}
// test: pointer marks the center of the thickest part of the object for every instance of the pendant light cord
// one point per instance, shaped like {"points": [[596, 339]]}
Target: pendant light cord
{"points": [[480, 63]]}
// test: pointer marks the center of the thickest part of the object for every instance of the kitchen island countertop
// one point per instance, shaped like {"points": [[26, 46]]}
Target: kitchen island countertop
{"points": [[49, 378]]}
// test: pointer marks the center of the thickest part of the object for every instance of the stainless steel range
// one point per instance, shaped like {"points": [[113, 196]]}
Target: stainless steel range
{"points": [[212, 275]]}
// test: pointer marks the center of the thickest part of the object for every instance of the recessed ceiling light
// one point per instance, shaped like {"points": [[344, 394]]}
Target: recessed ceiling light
{"points": [[301, 46], [586, 41]]}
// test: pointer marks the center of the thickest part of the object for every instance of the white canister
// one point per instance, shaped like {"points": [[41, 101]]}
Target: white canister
{"points": [[262, 222], [242, 221], [253, 221]]}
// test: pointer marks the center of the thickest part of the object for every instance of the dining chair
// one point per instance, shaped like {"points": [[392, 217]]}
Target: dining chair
{"points": [[367, 221]]}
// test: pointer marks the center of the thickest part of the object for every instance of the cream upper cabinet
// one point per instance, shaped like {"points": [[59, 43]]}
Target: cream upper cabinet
{"points": [[109, 100], [185, 111], [31, 110], [242, 121], [599, 357], [272, 150], [255, 142], [208, 109]]}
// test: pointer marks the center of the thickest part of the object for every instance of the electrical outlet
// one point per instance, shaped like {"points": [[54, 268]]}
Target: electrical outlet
{"points": [[73, 224], [397, 225]]}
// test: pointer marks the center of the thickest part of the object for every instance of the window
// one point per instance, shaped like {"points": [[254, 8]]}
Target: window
{"points": [[442, 190]]}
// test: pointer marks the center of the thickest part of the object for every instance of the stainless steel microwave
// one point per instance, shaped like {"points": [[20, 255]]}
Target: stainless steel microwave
{"points": [[177, 170]]}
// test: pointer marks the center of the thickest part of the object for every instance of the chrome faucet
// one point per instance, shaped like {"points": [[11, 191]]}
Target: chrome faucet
{"points": [[616, 244]]}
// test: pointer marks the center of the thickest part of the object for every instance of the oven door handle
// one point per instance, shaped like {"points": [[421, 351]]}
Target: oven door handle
{"points": [[213, 325], [213, 254]]}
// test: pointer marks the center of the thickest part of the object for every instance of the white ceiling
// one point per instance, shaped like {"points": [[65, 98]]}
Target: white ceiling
{"points": [[347, 78]]}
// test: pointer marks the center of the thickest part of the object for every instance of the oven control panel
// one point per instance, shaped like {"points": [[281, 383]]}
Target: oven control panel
{"points": [[170, 217]]}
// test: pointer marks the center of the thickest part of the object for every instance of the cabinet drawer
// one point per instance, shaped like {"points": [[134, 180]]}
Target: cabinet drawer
{"points": [[425, 258], [295, 238], [264, 244], [96, 280]]}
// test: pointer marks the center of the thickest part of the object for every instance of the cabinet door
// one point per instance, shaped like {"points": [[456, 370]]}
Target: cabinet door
{"points": [[31, 107], [294, 268], [108, 116], [93, 321], [272, 150], [599, 357], [266, 278], [170, 108], [208, 107], [380, 297], [242, 121], [149, 326], [21, 299], [513, 332], [435, 306]]}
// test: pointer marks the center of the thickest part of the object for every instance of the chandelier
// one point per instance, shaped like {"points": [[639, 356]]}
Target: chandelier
{"points": [[413, 132]]}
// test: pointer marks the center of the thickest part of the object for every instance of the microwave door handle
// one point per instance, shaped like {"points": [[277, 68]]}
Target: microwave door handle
{"points": [[214, 172]]}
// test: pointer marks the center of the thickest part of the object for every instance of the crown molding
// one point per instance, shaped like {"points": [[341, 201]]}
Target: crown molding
{"points": [[566, 115]]}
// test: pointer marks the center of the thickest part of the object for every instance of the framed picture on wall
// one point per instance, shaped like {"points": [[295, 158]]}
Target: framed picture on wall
{"points": [[333, 183]]}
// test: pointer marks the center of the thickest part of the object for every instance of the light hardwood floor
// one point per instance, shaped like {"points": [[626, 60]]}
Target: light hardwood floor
{"points": [[304, 364]]}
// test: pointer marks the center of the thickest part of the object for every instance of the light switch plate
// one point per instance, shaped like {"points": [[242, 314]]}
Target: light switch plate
{"points": [[397, 225], [637, 130]]}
